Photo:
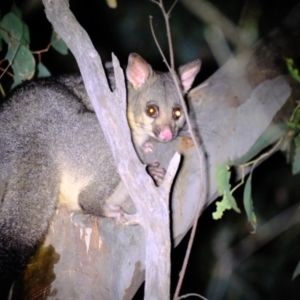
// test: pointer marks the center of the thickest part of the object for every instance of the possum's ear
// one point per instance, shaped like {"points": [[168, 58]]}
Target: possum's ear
{"points": [[138, 70], [187, 74]]}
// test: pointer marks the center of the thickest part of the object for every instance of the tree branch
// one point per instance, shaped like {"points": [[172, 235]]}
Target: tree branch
{"points": [[110, 108]]}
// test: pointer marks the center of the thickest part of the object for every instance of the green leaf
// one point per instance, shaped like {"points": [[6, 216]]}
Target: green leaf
{"points": [[16, 11], [293, 125], [25, 37], [296, 159], [12, 51], [228, 201], [270, 136], [296, 115], [22, 63], [42, 71], [58, 44], [297, 271], [248, 203], [221, 207], [17, 80], [293, 71], [223, 177], [231, 201], [12, 25]]}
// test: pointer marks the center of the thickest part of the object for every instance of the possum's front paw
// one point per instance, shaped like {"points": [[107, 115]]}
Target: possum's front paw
{"points": [[147, 147], [156, 172]]}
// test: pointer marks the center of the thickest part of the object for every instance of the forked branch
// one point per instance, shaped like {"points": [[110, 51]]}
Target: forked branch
{"points": [[200, 152]]}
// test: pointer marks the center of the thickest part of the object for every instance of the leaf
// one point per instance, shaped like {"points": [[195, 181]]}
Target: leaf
{"points": [[231, 201], [293, 125], [296, 159], [12, 51], [25, 37], [58, 44], [270, 136], [223, 177], [22, 63], [228, 201], [297, 271], [221, 207], [12, 24], [296, 115], [42, 71], [248, 203], [17, 80], [293, 71], [14, 9]]}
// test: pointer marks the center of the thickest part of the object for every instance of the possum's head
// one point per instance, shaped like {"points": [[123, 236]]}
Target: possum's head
{"points": [[154, 105]]}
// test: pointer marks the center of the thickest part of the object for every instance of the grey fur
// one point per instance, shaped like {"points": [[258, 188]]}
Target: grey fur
{"points": [[52, 150], [47, 131]]}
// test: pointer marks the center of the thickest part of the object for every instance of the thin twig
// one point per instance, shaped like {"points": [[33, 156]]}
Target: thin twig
{"points": [[10, 37], [171, 8], [203, 195], [39, 52], [156, 42], [9, 64], [200, 153], [166, 16], [192, 295], [7, 72], [2, 92], [264, 155]]}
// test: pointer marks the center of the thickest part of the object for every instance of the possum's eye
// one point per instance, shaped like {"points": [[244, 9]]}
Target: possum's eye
{"points": [[152, 111], [177, 113]]}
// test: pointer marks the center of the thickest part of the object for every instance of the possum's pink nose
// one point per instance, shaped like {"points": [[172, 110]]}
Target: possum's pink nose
{"points": [[166, 134]]}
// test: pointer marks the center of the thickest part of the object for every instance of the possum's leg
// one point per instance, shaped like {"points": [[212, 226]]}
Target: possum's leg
{"points": [[26, 207], [95, 200]]}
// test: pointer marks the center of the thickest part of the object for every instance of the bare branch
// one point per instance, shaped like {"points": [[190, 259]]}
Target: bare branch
{"points": [[171, 8], [209, 14], [200, 152], [156, 41], [169, 37]]}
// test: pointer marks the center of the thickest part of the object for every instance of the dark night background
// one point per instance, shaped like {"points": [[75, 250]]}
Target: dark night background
{"points": [[267, 273]]}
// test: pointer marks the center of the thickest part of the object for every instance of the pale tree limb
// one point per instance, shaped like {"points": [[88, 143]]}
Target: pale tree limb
{"points": [[110, 109]]}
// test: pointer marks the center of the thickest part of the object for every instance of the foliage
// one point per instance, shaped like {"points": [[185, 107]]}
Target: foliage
{"points": [[15, 33], [270, 136], [293, 71], [228, 201], [289, 132]]}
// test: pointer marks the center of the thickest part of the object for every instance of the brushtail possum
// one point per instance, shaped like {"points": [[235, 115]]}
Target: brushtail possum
{"points": [[52, 150]]}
